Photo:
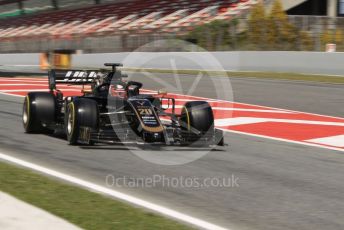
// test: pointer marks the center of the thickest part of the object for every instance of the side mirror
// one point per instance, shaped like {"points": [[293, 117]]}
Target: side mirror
{"points": [[166, 103]]}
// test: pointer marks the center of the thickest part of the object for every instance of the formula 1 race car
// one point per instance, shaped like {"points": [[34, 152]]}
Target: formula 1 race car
{"points": [[112, 110]]}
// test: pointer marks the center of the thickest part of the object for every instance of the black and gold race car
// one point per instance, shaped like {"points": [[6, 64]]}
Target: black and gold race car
{"points": [[112, 110]]}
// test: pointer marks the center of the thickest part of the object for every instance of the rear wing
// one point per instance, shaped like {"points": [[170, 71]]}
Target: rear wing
{"points": [[72, 77]]}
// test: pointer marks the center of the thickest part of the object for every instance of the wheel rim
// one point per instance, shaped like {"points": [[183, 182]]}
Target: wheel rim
{"points": [[25, 113], [70, 123]]}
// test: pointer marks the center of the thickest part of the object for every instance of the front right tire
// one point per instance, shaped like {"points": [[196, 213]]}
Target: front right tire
{"points": [[80, 113]]}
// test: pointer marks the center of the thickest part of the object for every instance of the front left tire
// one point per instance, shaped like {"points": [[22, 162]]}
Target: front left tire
{"points": [[197, 116]]}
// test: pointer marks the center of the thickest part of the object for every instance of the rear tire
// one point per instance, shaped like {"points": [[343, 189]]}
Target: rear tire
{"points": [[80, 113], [39, 110]]}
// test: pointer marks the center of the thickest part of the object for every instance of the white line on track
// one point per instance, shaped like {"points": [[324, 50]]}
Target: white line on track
{"points": [[39, 84], [10, 94], [20, 84], [337, 141], [252, 120], [244, 110], [23, 80], [113, 193], [232, 102], [284, 140], [183, 99], [252, 110], [260, 106], [35, 90]]}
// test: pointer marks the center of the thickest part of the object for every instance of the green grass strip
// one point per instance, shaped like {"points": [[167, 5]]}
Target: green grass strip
{"points": [[243, 74], [83, 208]]}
